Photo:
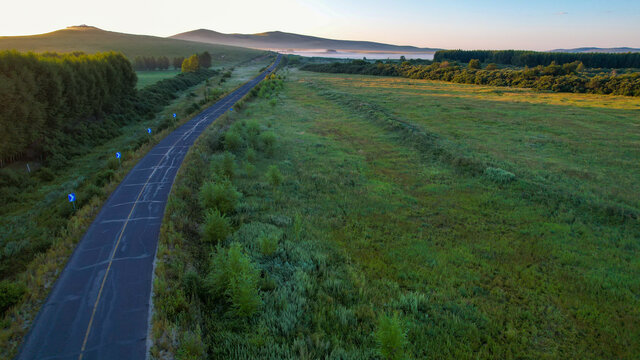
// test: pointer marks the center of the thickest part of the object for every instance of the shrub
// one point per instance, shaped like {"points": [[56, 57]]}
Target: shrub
{"points": [[251, 155], [233, 141], [268, 142], [104, 177], [9, 177], [92, 190], [391, 337], [268, 244], [243, 292], [249, 169], [194, 107], [216, 227], [273, 102], [10, 294], [224, 166], [274, 177], [253, 132], [45, 174], [498, 175], [214, 140], [222, 196], [233, 276], [228, 165], [113, 163], [492, 66]]}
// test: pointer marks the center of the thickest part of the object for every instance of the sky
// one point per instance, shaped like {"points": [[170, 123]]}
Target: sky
{"points": [[450, 24]]}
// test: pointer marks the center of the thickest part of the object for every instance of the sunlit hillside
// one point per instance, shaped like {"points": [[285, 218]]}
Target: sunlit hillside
{"points": [[91, 40]]}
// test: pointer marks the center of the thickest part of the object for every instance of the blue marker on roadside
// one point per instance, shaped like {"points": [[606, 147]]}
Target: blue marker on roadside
{"points": [[72, 199], [231, 109], [174, 115], [118, 156], [149, 131]]}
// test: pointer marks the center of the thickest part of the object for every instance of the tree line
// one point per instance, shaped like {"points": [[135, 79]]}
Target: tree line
{"points": [[147, 63], [554, 77], [44, 95], [535, 58], [54, 106]]}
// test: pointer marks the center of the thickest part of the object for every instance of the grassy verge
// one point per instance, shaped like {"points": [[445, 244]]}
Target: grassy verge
{"points": [[146, 78], [26, 288], [385, 248]]}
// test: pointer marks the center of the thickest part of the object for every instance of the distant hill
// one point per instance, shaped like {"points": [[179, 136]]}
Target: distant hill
{"points": [[278, 40], [597, 50], [90, 39]]}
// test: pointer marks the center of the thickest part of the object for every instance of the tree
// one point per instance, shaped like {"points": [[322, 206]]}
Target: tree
{"points": [[138, 63], [150, 63], [474, 64], [205, 60], [191, 64], [163, 63], [177, 62]]}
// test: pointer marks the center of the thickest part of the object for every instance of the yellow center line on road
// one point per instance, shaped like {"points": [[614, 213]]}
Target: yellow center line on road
{"points": [[230, 98], [113, 254]]}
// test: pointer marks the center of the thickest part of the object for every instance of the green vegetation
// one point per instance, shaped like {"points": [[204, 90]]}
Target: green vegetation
{"points": [[569, 77], [535, 58], [149, 63], [391, 337], [221, 195], [146, 78], [191, 64], [58, 98], [216, 227], [417, 219], [39, 228], [69, 103]]}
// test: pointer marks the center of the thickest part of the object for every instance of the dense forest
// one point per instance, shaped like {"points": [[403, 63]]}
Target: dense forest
{"points": [[44, 96], [559, 78], [55, 105], [535, 58]]}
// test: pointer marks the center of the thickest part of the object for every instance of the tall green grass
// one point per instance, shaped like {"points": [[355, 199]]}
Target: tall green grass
{"points": [[390, 244]]}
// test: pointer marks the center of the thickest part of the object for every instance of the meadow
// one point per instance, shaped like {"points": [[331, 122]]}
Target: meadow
{"points": [[372, 217], [146, 78]]}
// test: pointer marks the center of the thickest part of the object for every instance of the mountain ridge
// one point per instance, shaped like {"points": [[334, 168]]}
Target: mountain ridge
{"points": [[90, 39], [283, 40]]}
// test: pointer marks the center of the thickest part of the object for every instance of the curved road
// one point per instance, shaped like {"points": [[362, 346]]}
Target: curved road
{"points": [[99, 306]]}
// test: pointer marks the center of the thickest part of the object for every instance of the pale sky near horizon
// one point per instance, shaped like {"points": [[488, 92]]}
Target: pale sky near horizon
{"points": [[452, 24]]}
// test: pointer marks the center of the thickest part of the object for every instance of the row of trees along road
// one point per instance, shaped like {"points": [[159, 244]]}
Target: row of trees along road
{"points": [[142, 63], [44, 95], [55, 106]]}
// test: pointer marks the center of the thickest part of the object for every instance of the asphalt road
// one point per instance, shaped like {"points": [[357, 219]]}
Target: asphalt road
{"points": [[99, 307]]}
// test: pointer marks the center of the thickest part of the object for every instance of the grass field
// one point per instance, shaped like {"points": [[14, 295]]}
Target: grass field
{"points": [[39, 274], [470, 219], [91, 40], [146, 78]]}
